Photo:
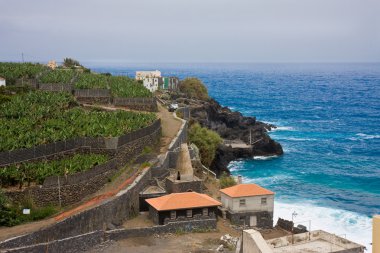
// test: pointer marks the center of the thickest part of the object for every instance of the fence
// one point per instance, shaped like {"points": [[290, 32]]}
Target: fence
{"points": [[92, 93], [55, 87], [60, 147]]}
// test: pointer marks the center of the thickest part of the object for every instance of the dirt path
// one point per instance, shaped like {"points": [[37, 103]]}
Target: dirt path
{"points": [[170, 127]]}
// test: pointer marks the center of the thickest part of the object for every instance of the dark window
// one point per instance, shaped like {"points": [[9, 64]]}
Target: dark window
{"points": [[242, 202], [263, 201]]}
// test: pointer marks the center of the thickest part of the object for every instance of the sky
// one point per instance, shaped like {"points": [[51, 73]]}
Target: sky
{"points": [[145, 31]]}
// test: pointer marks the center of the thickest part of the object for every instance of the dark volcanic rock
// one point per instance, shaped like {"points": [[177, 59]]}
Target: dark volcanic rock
{"points": [[235, 127]]}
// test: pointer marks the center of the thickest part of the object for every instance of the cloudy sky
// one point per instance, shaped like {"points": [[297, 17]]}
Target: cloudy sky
{"points": [[191, 30]]}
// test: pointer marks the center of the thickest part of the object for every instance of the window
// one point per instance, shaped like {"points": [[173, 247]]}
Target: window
{"points": [[242, 202], [205, 211], [263, 201], [189, 213], [173, 215]]}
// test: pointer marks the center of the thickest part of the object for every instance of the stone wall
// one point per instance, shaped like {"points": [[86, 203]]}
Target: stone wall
{"points": [[73, 188], [174, 186], [264, 219], [55, 87], [85, 143], [173, 227], [107, 215]]}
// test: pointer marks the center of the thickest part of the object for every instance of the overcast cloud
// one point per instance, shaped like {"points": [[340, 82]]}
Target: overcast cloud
{"points": [[191, 31]]}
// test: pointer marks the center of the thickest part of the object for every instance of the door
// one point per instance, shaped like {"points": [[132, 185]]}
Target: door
{"points": [[253, 221]]}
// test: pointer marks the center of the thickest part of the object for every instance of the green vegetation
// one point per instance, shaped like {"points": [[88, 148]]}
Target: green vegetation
{"points": [[37, 171], [120, 86], [41, 117], [226, 181], [206, 140], [13, 71], [194, 88], [63, 76], [11, 214], [70, 63]]}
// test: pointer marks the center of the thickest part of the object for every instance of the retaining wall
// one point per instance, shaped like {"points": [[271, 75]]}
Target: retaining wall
{"points": [[73, 188], [55, 87], [106, 215], [60, 147]]}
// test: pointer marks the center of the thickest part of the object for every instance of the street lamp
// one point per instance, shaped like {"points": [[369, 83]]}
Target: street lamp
{"points": [[294, 214]]}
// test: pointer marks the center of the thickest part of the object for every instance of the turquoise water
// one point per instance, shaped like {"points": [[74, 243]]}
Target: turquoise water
{"points": [[329, 125]]}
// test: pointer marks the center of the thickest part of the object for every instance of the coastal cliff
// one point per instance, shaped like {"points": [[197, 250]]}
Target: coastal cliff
{"points": [[236, 130]]}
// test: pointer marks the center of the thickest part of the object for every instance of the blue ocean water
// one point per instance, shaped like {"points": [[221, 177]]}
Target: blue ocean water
{"points": [[329, 126]]}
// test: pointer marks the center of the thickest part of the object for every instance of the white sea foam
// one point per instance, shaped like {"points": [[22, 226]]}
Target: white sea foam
{"points": [[259, 157], [283, 128], [353, 226], [361, 136]]}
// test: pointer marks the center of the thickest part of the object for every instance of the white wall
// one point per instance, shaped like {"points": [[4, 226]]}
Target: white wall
{"points": [[251, 203], [140, 75], [2, 82], [151, 84], [253, 242]]}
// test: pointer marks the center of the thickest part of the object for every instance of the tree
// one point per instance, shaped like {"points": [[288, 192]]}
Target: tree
{"points": [[194, 88], [69, 63], [206, 140]]}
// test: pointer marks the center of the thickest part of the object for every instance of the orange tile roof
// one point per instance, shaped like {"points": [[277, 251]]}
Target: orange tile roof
{"points": [[246, 190], [183, 200]]}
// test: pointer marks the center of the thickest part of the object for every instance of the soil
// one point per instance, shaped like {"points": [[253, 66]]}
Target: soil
{"points": [[171, 243]]}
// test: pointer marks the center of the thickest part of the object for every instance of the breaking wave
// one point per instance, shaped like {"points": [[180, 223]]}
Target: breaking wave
{"points": [[353, 226]]}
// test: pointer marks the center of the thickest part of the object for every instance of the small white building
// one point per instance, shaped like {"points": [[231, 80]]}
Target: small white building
{"points": [[2, 81], [248, 204], [141, 75], [151, 83]]}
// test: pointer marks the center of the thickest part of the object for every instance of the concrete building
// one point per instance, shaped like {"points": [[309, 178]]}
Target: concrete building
{"points": [[161, 83], [52, 64], [182, 207], [249, 205], [2, 81], [141, 75], [317, 241], [151, 83], [376, 234]]}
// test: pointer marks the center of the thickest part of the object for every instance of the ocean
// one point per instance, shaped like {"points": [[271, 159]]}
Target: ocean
{"points": [[328, 118]]}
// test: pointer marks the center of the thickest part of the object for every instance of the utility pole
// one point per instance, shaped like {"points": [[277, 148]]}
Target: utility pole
{"points": [[294, 214], [22, 56], [250, 136]]}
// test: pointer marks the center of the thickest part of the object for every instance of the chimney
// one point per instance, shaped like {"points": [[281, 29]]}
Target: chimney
{"points": [[239, 179]]}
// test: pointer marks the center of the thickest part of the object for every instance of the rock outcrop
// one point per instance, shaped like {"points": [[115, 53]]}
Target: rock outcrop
{"points": [[233, 126]]}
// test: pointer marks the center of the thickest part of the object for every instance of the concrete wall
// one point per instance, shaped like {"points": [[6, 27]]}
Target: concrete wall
{"points": [[376, 234], [253, 242], [251, 203]]}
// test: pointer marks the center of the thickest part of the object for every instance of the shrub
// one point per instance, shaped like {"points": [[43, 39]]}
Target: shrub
{"points": [[206, 140], [226, 181], [194, 88]]}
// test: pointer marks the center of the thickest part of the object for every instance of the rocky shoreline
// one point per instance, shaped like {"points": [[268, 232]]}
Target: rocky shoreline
{"points": [[236, 130]]}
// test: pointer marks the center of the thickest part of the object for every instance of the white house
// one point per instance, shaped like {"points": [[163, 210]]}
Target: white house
{"points": [[141, 75], [2, 81], [248, 204], [151, 83]]}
